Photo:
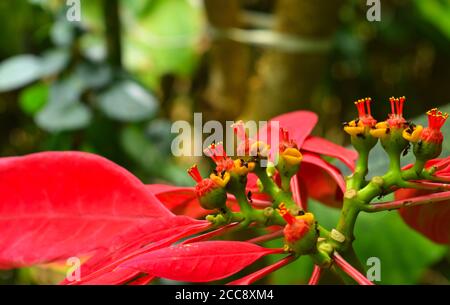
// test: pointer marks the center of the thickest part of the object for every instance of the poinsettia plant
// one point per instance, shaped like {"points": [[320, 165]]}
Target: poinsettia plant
{"points": [[57, 205]]}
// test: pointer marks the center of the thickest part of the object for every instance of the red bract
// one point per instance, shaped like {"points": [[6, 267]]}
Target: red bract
{"points": [[179, 200], [59, 204], [154, 234], [199, 262], [432, 220], [324, 147], [299, 124], [322, 181]]}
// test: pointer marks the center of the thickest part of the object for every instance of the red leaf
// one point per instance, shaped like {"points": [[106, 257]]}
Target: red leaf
{"points": [[161, 232], [184, 201], [113, 277], [323, 181], [298, 123], [59, 204], [432, 220], [199, 262], [324, 147], [179, 200]]}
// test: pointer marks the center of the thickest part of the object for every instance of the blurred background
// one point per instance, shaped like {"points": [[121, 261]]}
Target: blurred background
{"points": [[113, 82]]}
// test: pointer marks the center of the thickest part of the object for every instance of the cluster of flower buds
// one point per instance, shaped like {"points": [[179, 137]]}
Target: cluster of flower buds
{"points": [[228, 173], [360, 128], [427, 141], [390, 131], [300, 233], [289, 159], [396, 133], [231, 175], [210, 191]]}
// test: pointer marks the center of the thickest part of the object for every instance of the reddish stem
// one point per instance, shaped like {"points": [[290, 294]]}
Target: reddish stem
{"points": [[350, 270], [259, 203], [266, 237], [211, 234], [441, 179], [419, 200], [151, 247], [295, 187], [424, 185], [253, 277], [315, 276]]}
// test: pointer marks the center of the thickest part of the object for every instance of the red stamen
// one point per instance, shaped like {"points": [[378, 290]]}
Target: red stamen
{"points": [[391, 100], [360, 106], [216, 152], [401, 102], [239, 130], [396, 106], [195, 174], [436, 119], [285, 135], [285, 214], [285, 140], [365, 112], [368, 100]]}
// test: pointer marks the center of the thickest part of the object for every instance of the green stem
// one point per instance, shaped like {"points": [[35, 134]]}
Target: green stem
{"points": [[346, 223], [270, 188], [241, 198], [113, 31], [357, 180]]}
